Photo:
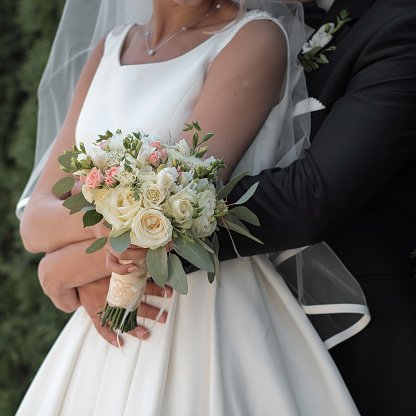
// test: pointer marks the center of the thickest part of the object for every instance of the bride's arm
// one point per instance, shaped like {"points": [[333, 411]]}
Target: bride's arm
{"points": [[243, 84], [46, 225]]}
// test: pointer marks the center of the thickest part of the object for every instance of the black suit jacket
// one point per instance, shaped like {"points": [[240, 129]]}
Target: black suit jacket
{"points": [[355, 186]]}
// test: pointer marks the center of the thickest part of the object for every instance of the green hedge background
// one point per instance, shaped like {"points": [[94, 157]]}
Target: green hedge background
{"points": [[29, 322]]}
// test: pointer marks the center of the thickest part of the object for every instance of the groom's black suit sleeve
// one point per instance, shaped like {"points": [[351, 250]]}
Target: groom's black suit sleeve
{"points": [[366, 139]]}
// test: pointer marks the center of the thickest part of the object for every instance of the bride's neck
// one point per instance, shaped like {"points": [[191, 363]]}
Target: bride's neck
{"points": [[169, 16]]}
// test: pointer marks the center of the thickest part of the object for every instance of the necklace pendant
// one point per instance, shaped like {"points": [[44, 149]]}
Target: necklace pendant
{"points": [[151, 52]]}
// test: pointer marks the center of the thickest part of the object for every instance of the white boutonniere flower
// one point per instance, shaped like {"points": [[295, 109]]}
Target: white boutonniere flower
{"points": [[314, 51]]}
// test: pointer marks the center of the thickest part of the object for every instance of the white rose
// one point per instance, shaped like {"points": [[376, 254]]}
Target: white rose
{"points": [[185, 178], [118, 207], [153, 195], [115, 143], [180, 207], [126, 177], [98, 155], [166, 178], [151, 229], [145, 150], [183, 148], [146, 177], [320, 39], [205, 224]]}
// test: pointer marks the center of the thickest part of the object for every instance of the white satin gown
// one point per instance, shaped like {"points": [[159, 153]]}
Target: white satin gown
{"points": [[244, 349]]}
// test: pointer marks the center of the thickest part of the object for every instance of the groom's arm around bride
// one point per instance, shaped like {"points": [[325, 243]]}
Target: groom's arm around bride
{"points": [[355, 189]]}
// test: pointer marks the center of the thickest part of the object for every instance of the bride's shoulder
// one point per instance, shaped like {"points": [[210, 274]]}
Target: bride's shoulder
{"points": [[257, 33]]}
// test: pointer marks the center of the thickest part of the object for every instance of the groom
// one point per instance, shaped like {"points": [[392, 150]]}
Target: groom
{"points": [[356, 189]]}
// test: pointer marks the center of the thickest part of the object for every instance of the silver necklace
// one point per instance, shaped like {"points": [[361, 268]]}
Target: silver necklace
{"points": [[152, 51]]}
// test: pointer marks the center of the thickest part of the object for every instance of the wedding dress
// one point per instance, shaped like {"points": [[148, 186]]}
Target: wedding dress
{"points": [[245, 348]]}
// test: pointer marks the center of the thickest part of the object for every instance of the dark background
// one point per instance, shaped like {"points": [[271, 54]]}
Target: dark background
{"points": [[29, 323]]}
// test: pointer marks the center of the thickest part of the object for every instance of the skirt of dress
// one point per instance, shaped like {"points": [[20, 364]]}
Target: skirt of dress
{"points": [[245, 348]]}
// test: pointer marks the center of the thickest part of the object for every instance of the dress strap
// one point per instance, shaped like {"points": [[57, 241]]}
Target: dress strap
{"points": [[115, 39]]}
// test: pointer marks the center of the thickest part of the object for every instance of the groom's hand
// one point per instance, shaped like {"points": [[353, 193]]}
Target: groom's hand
{"points": [[93, 295]]}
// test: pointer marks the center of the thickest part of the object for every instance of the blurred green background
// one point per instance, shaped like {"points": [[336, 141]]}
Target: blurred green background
{"points": [[29, 322]]}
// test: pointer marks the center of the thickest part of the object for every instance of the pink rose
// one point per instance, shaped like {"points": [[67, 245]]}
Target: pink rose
{"points": [[111, 172], [163, 155], [94, 178], [110, 176], [154, 159], [156, 144], [110, 181]]}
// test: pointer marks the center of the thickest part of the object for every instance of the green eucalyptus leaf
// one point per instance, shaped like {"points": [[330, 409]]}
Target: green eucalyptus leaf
{"points": [[205, 246], [157, 264], [121, 243], [215, 243], [235, 220], [248, 194], [91, 217], [96, 245], [107, 225], [240, 230], [194, 253], [63, 186], [243, 213], [65, 160], [76, 203], [225, 191], [177, 277]]}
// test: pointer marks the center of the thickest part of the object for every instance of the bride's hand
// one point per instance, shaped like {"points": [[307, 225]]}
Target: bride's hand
{"points": [[114, 260], [93, 296], [63, 297], [132, 254]]}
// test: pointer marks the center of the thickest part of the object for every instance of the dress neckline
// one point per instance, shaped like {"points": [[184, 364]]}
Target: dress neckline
{"points": [[192, 50]]}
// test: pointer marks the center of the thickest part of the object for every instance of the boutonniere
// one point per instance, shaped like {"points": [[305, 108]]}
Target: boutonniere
{"points": [[314, 51]]}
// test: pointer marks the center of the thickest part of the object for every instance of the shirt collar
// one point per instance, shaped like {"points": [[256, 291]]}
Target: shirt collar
{"points": [[325, 4]]}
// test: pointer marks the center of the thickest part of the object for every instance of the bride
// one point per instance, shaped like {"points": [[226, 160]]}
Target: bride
{"points": [[245, 348]]}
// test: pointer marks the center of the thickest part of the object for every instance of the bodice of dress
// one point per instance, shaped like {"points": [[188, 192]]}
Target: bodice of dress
{"points": [[154, 97]]}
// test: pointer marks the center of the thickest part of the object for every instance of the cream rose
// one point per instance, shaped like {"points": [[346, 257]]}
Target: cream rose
{"points": [[150, 229], [205, 224], [118, 207], [153, 194], [180, 207]]}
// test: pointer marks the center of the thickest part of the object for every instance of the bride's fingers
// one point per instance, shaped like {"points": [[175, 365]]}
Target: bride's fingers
{"points": [[112, 264], [140, 332], [151, 312], [105, 331], [153, 289], [132, 253]]}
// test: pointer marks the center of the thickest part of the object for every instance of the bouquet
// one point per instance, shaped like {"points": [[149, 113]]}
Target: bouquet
{"points": [[152, 195]]}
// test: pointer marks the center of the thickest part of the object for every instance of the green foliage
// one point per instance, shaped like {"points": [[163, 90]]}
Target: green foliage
{"points": [[157, 264], [30, 323]]}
